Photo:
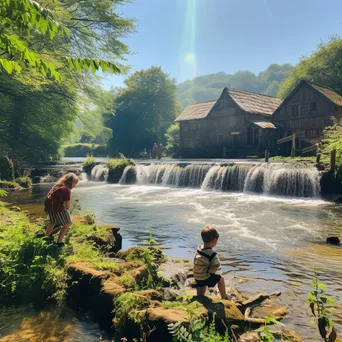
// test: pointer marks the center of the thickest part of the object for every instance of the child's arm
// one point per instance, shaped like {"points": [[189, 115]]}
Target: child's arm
{"points": [[67, 205], [215, 264]]}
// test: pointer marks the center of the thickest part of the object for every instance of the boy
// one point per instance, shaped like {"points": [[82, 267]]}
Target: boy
{"points": [[207, 263]]}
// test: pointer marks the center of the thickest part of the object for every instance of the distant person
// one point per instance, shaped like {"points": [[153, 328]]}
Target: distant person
{"points": [[57, 203], [154, 150], [207, 263], [160, 151]]}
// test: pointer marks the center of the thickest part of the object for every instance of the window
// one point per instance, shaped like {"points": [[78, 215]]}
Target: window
{"points": [[312, 133], [313, 106], [295, 110], [219, 138]]}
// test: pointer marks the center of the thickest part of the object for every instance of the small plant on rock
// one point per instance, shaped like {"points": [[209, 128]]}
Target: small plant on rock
{"points": [[266, 334], [317, 301]]}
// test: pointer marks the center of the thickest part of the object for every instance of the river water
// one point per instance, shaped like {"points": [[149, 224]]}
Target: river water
{"points": [[267, 243]]}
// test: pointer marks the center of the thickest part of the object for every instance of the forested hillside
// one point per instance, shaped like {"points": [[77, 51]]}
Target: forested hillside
{"points": [[209, 87]]}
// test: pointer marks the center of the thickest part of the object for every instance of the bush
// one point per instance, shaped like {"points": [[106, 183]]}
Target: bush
{"points": [[88, 164], [172, 136], [25, 182], [116, 168], [84, 149], [8, 185]]}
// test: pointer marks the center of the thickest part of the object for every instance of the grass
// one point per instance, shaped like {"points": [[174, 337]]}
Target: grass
{"points": [[294, 159], [25, 182], [8, 184], [89, 161], [121, 162]]}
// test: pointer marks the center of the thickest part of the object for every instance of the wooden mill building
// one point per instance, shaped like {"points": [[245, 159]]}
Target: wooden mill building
{"points": [[306, 112], [238, 124], [242, 123]]}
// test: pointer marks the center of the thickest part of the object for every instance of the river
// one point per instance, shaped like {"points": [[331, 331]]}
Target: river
{"points": [[267, 243]]}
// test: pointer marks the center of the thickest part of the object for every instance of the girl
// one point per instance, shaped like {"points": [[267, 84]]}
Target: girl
{"points": [[57, 203]]}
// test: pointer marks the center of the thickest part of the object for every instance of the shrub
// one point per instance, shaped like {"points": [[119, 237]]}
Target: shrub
{"points": [[8, 185], [25, 182], [116, 168], [84, 149]]}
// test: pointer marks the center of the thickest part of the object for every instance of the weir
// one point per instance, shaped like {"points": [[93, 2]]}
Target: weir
{"points": [[295, 180]]}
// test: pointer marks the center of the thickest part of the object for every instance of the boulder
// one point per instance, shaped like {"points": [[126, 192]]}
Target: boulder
{"points": [[333, 240]]}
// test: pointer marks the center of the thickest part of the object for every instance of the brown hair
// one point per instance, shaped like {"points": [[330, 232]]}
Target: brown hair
{"points": [[67, 180], [209, 233]]}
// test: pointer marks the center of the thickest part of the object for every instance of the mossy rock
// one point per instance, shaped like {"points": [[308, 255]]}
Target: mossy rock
{"points": [[137, 253], [25, 182]]}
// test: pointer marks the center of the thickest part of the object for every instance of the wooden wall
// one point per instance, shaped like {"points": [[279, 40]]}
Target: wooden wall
{"points": [[309, 124]]}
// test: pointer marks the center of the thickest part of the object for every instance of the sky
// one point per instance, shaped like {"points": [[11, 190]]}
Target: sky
{"points": [[189, 38]]}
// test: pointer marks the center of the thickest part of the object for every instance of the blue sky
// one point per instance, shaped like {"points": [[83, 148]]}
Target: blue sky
{"points": [[189, 38]]}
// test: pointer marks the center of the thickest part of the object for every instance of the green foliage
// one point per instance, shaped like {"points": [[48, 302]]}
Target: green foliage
{"points": [[209, 87], [266, 334], [324, 67], [144, 109], [294, 159], [3, 193], [24, 181], [26, 272], [84, 149], [22, 19], [172, 137], [38, 47], [318, 301], [197, 330], [121, 162], [332, 140], [8, 184], [125, 308], [90, 217], [90, 161]]}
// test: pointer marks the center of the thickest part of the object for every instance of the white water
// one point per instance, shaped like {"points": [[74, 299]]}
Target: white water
{"points": [[295, 180], [99, 173]]}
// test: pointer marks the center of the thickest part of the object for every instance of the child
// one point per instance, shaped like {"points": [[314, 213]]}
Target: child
{"points": [[57, 203], [207, 263]]}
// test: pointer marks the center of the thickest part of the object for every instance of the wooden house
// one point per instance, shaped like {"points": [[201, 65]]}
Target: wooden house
{"points": [[238, 124], [306, 112]]}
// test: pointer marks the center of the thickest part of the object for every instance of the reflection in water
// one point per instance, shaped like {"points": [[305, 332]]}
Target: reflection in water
{"points": [[266, 243], [28, 325]]}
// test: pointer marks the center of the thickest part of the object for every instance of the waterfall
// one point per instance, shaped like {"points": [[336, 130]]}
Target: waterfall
{"points": [[295, 180], [99, 173]]}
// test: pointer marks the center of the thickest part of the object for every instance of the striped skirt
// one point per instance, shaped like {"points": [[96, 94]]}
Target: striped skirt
{"points": [[59, 218]]}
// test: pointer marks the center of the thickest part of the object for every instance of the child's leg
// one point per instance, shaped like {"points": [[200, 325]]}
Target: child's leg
{"points": [[222, 288], [201, 290], [49, 229], [63, 232]]}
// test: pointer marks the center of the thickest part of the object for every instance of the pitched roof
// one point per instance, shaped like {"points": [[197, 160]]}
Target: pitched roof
{"points": [[251, 103], [328, 93], [254, 103], [196, 111], [261, 123]]}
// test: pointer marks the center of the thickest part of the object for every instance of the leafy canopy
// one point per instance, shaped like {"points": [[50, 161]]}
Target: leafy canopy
{"points": [[143, 111], [324, 67]]}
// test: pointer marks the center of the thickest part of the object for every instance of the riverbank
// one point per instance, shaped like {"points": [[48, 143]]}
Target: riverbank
{"points": [[124, 290]]}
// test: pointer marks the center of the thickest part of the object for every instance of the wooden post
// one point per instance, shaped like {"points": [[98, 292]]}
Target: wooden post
{"points": [[332, 160], [293, 149], [267, 155]]}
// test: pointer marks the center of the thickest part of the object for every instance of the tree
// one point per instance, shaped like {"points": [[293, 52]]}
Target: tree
{"points": [[22, 20], [44, 83], [143, 111], [172, 137], [324, 67], [209, 87]]}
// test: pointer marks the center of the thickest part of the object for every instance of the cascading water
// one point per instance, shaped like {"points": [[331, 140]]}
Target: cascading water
{"points": [[99, 173], [296, 180]]}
